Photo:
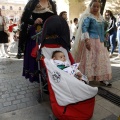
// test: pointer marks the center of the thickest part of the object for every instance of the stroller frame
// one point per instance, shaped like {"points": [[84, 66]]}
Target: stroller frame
{"points": [[42, 87], [87, 103], [36, 37]]}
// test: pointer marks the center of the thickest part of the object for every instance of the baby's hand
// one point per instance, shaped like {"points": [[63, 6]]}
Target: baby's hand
{"points": [[79, 74]]}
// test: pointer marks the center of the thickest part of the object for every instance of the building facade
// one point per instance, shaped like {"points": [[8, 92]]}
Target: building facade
{"points": [[14, 8]]}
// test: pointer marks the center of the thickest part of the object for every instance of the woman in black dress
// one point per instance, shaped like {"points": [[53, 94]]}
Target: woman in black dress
{"points": [[33, 18]]}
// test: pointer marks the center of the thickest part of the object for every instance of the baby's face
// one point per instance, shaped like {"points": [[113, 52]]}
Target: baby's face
{"points": [[60, 56]]}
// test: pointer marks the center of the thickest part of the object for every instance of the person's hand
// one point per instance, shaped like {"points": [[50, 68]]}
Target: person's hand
{"points": [[79, 74], [15, 38], [38, 21], [107, 36], [88, 45]]}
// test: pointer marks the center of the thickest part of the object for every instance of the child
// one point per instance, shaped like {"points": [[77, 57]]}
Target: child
{"points": [[14, 45], [58, 58]]}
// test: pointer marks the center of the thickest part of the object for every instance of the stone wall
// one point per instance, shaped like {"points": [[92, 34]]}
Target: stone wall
{"points": [[14, 12], [76, 8]]}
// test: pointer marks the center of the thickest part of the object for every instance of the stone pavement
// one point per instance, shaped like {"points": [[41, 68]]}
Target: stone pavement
{"points": [[19, 97]]}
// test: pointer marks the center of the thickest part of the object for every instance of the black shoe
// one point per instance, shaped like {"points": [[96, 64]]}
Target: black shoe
{"points": [[8, 57], [106, 83], [19, 56]]}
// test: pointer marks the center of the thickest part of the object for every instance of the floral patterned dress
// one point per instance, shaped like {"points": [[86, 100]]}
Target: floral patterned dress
{"points": [[95, 64]]}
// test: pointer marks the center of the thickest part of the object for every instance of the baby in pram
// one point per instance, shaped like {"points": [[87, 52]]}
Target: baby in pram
{"points": [[59, 59]]}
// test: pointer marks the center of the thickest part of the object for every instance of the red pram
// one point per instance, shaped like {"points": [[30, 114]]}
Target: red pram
{"points": [[70, 99]]}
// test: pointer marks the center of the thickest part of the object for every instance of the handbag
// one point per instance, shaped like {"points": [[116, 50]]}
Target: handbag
{"points": [[106, 43]]}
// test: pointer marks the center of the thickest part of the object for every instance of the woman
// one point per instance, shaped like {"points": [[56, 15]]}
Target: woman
{"points": [[89, 47], [10, 25], [63, 14], [118, 34], [33, 18], [3, 36], [112, 30]]}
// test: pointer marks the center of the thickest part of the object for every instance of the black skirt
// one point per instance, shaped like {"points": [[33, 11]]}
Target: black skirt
{"points": [[3, 37]]}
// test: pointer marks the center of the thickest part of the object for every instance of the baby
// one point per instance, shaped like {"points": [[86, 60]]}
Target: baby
{"points": [[60, 61]]}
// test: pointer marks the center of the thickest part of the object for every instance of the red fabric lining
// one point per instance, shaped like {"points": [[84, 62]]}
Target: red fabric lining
{"points": [[52, 46], [79, 111], [34, 51], [10, 29]]}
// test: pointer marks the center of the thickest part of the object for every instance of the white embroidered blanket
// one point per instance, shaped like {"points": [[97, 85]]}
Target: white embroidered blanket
{"points": [[71, 69], [67, 88]]}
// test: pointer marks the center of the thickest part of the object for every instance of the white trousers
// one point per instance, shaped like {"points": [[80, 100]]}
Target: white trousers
{"points": [[2, 50]]}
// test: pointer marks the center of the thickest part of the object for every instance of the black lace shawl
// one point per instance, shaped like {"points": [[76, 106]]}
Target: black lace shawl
{"points": [[30, 7], [26, 19]]}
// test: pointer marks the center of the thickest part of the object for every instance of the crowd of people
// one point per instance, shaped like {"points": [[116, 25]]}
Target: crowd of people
{"points": [[92, 41], [8, 30], [87, 35]]}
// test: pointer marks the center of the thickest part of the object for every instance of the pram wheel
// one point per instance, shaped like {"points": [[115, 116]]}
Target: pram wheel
{"points": [[52, 117]]}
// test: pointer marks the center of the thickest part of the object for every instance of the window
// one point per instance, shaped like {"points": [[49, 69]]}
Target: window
{"points": [[11, 8], [3, 7], [19, 8]]}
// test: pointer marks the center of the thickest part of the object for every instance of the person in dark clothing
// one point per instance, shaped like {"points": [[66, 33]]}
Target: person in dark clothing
{"points": [[118, 34], [3, 36], [39, 15], [112, 30], [34, 15], [63, 14]]}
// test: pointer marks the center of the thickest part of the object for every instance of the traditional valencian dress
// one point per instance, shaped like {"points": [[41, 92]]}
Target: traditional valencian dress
{"points": [[30, 67], [95, 64]]}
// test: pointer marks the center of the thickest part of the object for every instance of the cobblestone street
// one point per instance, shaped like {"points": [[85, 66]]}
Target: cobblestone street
{"points": [[19, 97], [15, 92]]}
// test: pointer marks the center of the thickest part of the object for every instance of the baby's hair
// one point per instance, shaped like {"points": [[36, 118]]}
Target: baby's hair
{"points": [[54, 53]]}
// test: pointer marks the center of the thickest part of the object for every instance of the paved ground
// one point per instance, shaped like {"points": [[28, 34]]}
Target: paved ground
{"points": [[18, 97]]}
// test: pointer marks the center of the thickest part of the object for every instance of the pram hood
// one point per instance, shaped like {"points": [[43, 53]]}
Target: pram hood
{"points": [[67, 88], [58, 26]]}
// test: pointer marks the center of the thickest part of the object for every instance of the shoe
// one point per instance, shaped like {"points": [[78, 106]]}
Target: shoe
{"points": [[106, 83], [19, 56], [5, 56], [110, 55]]}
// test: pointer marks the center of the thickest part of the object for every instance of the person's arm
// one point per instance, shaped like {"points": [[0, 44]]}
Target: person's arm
{"points": [[85, 27], [118, 25], [27, 13], [85, 33], [26, 17], [113, 25]]}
